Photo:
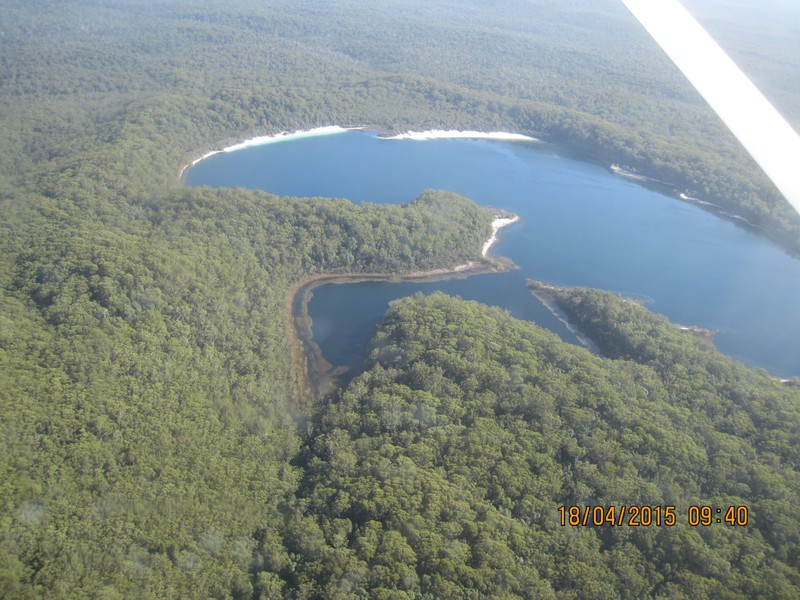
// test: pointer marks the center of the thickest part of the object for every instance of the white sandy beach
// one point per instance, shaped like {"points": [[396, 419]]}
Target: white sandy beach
{"points": [[688, 198], [284, 137], [497, 224], [719, 210], [433, 134], [272, 139], [437, 134]]}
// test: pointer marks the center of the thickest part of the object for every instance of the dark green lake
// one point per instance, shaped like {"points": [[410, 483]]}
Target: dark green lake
{"points": [[580, 225]]}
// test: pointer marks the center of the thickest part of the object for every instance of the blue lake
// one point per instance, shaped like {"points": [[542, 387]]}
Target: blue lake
{"points": [[580, 225]]}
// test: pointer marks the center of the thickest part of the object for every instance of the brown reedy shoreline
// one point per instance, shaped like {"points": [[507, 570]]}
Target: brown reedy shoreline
{"points": [[312, 376]]}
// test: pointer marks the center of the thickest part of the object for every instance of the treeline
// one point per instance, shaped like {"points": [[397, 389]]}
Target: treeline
{"points": [[439, 472]]}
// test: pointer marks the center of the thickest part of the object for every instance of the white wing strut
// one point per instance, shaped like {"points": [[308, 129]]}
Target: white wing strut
{"points": [[763, 132]]}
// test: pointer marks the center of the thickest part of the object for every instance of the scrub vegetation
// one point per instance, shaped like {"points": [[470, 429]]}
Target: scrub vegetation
{"points": [[155, 442]]}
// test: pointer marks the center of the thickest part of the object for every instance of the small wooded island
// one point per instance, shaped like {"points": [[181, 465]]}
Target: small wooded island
{"points": [[159, 441]]}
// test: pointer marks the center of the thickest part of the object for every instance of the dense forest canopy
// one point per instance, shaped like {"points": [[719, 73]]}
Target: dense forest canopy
{"points": [[155, 439], [440, 470]]}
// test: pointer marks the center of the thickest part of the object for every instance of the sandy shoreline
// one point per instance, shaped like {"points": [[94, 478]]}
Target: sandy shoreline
{"points": [[623, 172], [271, 139], [440, 134], [497, 225], [718, 210], [284, 137], [433, 134], [539, 290]]}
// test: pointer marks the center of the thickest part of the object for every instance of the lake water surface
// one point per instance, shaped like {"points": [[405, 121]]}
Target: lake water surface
{"points": [[580, 225]]}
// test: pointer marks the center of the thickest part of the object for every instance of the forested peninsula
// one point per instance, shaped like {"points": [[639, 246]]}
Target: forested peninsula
{"points": [[156, 439], [440, 471]]}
